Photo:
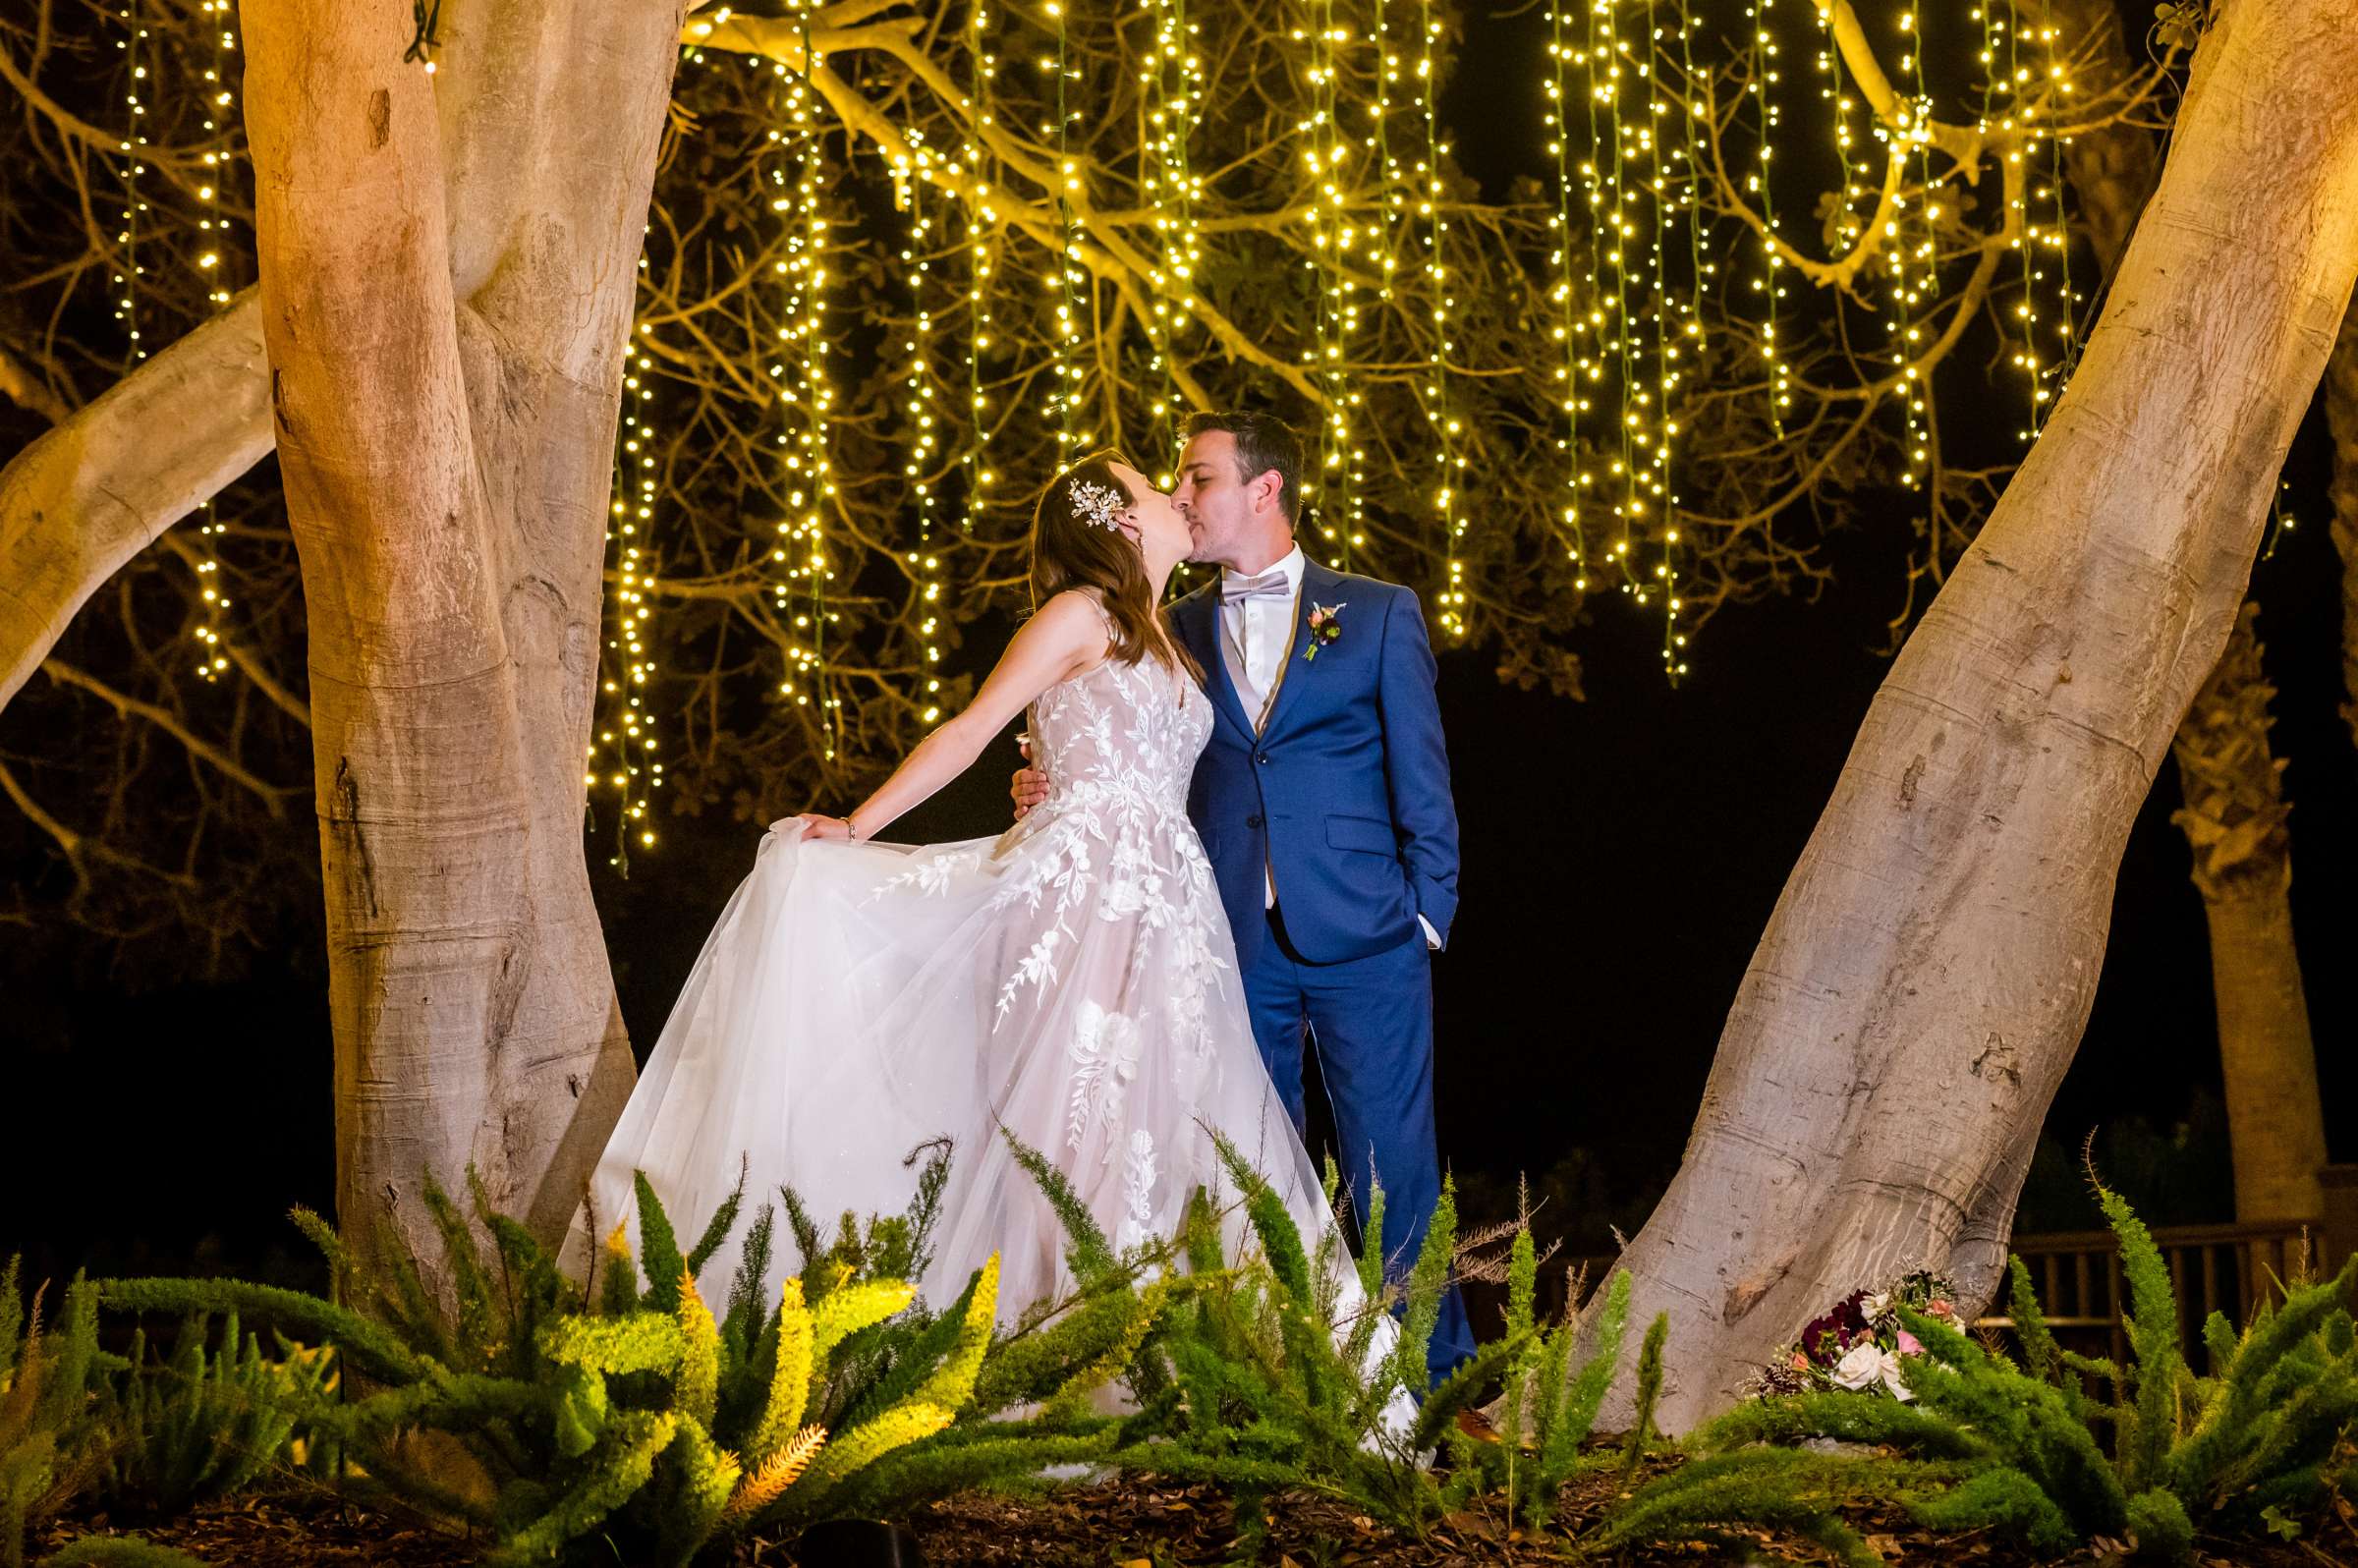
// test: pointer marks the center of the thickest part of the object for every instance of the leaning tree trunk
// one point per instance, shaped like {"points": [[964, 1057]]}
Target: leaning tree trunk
{"points": [[2342, 418], [2235, 819], [447, 279], [2235, 822], [1927, 970]]}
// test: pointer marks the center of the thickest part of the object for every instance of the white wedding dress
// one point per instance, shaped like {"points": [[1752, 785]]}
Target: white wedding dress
{"points": [[1072, 980]]}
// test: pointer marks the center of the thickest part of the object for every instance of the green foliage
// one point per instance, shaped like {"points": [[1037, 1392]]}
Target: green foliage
{"points": [[1088, 1253], [1551, 1400], [203, 1422], [119, 1551], [1266, 1394], [2020, 1449], [639, 1423], [1711, 1495], [1649, 1392], [659, 1258], [55, 1436]]}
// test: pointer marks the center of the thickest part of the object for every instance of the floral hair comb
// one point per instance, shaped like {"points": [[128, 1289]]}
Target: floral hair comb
{"points": [[1100, 504]]}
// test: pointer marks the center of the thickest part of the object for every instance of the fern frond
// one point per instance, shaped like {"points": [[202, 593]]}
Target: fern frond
{"points": [[1088, 1253], [865, 1443], [659, 1259], [2153, 1328], [723, 1220], [624, 1465], [848, 1309], [790, 1380], [764, 1484], [368, 1346], [643, 1341], [952, 1384], [619, 1289], [699, 1383]]}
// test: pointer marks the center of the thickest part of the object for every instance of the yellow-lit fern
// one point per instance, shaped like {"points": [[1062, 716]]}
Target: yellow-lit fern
{"points": [[767, 1482], [865, 1443], [790, 1383], [952, 1384], [699, 1383]]}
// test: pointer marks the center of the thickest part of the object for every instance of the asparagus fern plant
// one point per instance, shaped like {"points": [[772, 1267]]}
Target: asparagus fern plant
{"points": [[2058, 1447]]}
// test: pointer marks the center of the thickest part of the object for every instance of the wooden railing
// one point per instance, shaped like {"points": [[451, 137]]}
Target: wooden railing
{"points": [[2226, 1269], [2081, 1289]]}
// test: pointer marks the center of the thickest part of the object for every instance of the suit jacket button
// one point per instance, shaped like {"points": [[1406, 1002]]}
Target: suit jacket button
{"points": [[1263, 759], [1252, 821]]}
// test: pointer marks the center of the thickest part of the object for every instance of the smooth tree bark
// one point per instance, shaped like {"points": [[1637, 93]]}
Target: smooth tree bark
{"points": [[2236, 821], [110, 478], [1927, 970], [448, 267]]}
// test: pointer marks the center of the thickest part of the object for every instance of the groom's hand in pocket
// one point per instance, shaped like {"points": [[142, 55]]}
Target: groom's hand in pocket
{"points": [[1030, 786]]}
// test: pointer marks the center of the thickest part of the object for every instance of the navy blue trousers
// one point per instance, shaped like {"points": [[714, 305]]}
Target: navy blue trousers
{"points": [[1370, 1022]]}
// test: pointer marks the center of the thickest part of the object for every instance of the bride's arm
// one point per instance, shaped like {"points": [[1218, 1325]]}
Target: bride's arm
{"points": [[1067, 635]]}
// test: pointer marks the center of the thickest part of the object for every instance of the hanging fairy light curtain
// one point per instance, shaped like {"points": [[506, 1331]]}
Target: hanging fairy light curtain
{"points": [[1167, 104], [1334, 486], [630, 769], [805, 398], [974, 460], [1767, 118], [134, 42], [921, 417], [1655, 146], [1069, 280], [1565, 292], [216, 264], [1451, 600]]}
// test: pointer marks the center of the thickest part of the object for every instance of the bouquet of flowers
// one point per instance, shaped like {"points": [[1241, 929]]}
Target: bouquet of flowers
{"points": [[1857, 1345]]}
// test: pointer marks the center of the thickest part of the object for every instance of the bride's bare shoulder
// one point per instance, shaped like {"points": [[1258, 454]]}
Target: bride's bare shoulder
{"points": [[1072, 628], [1075, 611]]}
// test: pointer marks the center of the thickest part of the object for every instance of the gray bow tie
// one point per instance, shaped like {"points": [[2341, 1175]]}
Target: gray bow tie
{"points": [[1267, 586]]}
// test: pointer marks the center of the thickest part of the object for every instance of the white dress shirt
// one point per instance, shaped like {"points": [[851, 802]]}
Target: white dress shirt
{"points": [[1258, 631], [1257, 634]]}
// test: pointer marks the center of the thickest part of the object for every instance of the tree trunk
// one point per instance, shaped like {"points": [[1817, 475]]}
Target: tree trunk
{"points": [[448, 275], [2341, 418], [2275, 1118], [1927, 970], [2235, 822], [108, 480]]}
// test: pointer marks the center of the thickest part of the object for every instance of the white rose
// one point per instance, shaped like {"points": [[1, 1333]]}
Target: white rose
{"points": [[1862, 1364], [1888, 1368], [1875, 1306]]}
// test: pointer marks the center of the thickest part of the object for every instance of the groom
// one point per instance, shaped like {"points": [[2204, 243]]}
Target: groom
{"points": [[1323, 800]]}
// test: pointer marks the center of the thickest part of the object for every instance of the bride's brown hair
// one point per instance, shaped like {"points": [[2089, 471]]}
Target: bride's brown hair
{"points": [[1071, 550]]}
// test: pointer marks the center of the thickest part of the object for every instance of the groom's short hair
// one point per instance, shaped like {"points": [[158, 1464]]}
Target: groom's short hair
{"points": [[1263, 442]]}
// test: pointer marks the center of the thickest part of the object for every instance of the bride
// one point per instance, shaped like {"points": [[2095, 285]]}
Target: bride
{"points": [[1072, 980]]}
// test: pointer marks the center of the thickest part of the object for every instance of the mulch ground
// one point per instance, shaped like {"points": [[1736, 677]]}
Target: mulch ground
{"points": [[291, 1529], [1131, 1523]]}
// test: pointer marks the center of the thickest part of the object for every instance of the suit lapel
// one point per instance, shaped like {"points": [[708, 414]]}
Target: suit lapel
{"points": [[1197, 620], [1295, 672]]}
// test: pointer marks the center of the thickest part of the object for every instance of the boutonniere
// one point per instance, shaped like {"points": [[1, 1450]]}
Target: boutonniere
{"points": [[1325, 624]]}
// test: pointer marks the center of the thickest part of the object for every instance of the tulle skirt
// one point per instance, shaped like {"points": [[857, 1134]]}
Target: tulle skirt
{"points": [[857, 1000]]}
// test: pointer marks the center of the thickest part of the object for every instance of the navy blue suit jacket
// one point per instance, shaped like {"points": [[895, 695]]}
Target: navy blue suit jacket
{"points": [[1344, 795]]}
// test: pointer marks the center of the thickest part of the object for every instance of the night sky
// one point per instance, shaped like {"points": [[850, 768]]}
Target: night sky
{"points": [[1622, 854]]}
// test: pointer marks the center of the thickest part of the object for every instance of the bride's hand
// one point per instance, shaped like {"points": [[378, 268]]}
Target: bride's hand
{"points": [[814, 824]]}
